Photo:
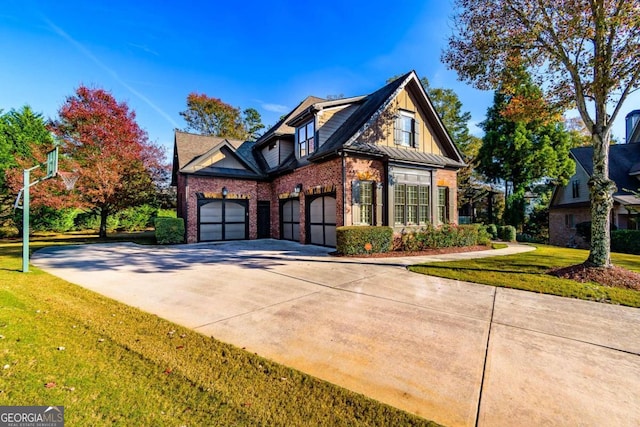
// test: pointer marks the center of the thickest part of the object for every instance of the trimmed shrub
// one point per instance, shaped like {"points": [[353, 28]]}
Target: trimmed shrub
{"points": [[625, 241], [507, 233], [446, 236], [169, 230], [492, 229], [355, 240]]}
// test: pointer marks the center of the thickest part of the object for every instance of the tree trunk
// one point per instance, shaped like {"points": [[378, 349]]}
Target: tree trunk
{"points": [[601, 190], [104, 213]]}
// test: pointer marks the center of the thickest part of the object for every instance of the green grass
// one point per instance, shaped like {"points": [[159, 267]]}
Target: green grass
{"points": [[527, 271], [110, 364]]}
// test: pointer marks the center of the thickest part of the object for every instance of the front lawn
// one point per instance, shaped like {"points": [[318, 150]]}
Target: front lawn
{"points": [[528, 271], [108, 363]]}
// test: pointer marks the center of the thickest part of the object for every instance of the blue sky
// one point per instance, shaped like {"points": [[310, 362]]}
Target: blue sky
{"points": [[267, 55]]}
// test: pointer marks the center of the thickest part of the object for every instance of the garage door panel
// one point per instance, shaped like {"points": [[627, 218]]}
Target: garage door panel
{"points": [[316, 211], [330, 210], [330, 235], [211, 212], [234, 212], [234, 231], [210, 232]]}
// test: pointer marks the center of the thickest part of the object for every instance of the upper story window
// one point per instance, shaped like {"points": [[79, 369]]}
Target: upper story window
{"points": [[306, 139], [575, 188], [406, 129]]}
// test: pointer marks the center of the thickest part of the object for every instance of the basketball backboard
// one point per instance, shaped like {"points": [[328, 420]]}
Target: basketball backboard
{"points": [[52, 163]]}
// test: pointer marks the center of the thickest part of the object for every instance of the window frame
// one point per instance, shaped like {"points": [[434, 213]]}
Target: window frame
{"points": [[411, 204], [306, 145], [443, 205], [575, 188], [406, 127]]}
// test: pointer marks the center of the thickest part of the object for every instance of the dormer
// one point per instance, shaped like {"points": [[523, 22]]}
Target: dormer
{"points": [[319, 121]]}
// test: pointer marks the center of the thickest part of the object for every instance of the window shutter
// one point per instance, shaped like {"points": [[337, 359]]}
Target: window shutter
{"points": [[416, 133], [397, 136], [378, 204], [449, 205], [355, 202]]}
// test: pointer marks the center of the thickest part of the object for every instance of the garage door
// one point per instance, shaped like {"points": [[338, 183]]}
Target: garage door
{"points": [[223, 220], [290, 223], [321, 227]]}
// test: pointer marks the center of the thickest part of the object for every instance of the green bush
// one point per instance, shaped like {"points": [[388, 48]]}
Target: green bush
{"points": [[625, 241], [91, 221], [354, 240], [8, 231], [507, 233], [166, 213], [446, 236], [492, 229], [49, 219], [169, 230], [137, 218]]}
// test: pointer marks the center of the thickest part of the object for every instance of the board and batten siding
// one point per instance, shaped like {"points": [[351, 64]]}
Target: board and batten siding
{"points": [[271, 154], [330, 119], [564, 195], [427, 143]]}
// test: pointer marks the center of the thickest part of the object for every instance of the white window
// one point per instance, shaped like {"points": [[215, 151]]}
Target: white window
{"points": [[306, 139], [411, 204], [406, 129]]}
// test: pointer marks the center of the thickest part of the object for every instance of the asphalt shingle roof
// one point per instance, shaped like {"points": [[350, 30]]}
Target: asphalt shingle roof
{"points": [[623, 160]]}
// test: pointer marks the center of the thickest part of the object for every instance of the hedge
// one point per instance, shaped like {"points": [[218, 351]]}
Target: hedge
{"points": [[445, 236], [356, 240], [169, 230], [625, 241]]}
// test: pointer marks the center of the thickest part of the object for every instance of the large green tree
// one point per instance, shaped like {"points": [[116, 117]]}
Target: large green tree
{"points": [[584, 51], [211, 116], [116, 163], [21, 133], [521, 150]]}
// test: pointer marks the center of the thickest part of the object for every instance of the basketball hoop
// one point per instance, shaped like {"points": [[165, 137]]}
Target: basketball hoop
{"points": [[69, 179]]}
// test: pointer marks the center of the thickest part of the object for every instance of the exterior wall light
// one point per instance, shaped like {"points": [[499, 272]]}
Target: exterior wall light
{"points": [[225, 192], [298, 188]]}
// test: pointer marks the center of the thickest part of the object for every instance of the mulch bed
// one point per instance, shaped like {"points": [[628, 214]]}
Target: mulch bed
{"points": [[454, 250], [615, 277]]}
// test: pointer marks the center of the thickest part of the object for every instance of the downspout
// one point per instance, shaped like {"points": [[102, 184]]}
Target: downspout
{"points": [[344, 189]]}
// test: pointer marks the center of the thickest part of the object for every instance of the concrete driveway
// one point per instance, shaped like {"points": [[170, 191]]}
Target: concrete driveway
{"points": [[454, 352]]}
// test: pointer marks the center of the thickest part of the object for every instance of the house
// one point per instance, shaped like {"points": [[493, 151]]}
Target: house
{"points": [[570, 204], [379, 159]]}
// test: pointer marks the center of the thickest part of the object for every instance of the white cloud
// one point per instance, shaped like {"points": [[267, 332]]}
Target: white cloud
{"points": [[276, 108]]}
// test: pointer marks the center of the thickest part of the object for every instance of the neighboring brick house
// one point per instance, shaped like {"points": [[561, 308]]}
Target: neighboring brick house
{"points": [[380, 159], [570, 204]]}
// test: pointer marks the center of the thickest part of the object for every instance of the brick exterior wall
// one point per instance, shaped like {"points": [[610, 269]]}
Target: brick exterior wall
{"points": [[201, 184], [312, 177], [449, 178], [325, 174], [562, 235], [361, 170]]}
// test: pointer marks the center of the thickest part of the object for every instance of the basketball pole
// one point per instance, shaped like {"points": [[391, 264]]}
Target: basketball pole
{"points": [[25, 218], [52, 170]]}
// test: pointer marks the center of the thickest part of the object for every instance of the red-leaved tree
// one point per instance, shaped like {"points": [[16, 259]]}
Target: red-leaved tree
{"points": [[115, 162]]}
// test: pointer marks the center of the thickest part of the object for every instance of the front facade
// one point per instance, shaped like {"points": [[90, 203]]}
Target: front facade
{"points": [[570, 204], [380, 159]]}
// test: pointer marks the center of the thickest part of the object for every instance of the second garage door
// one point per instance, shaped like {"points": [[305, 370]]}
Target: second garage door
{"points": [[321, 221]]}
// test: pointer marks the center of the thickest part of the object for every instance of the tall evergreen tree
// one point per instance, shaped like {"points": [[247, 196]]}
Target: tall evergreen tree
{"points": [[520, 149]]}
